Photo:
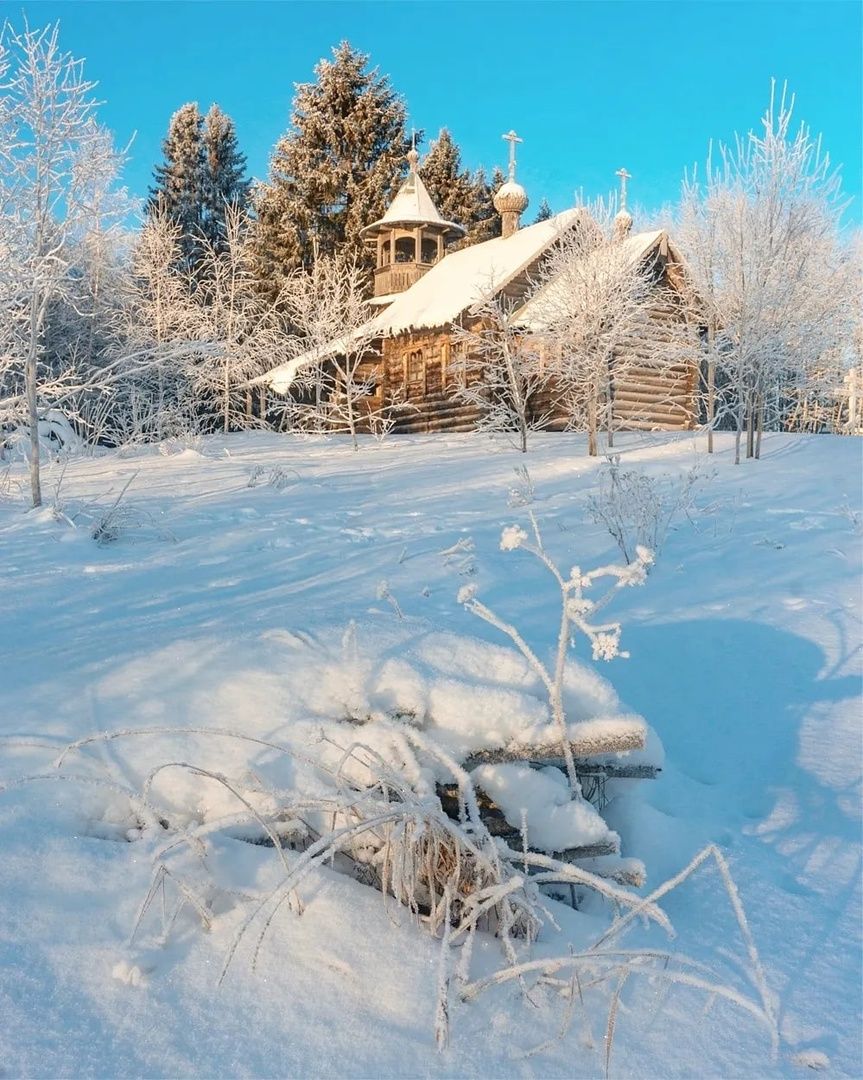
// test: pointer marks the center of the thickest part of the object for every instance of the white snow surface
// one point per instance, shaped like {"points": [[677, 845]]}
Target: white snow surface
{"points": [[258, 610], [541, 802]]}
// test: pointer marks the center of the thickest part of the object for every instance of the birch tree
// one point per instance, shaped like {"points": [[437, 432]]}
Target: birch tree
{"points": [[334, 343], [53, 155], [761, 237], [243, 327], [162, 336], [502, 372], [590, 297]]}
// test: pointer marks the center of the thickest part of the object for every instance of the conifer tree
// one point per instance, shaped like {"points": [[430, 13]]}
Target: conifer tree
{"points": [[544, 212], [225, 184], [335, 170], [179, 188], [485, 220], [450, 186]]}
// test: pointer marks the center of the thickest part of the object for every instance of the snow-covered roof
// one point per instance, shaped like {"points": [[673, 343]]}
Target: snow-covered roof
{"points": [[455, 284], [452, 286], [280, 378], [412, 206], [534, 314], [468, 276]]}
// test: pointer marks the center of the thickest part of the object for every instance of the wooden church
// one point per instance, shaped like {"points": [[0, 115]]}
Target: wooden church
{"points": [[422, 291]]}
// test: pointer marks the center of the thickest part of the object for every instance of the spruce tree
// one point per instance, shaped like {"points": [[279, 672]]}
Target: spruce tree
{"points": [[544, 212], [179, 188], [450, 186], [485, 220], [225, 184], [335, 170]]}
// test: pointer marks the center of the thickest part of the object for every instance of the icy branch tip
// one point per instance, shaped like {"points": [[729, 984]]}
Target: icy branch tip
{"points": [[466, 593], [512, 537]]}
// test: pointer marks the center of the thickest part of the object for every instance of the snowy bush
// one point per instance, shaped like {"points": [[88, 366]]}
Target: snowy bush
{"points": [[275, 477], [577, 614], [374, 816], [637, 509]]}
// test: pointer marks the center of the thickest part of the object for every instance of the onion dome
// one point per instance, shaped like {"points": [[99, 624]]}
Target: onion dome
{"points": [[510, 198], [622, 219], [622, 224]]}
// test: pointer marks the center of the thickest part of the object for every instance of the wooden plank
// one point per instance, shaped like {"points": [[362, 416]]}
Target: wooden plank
{"points": [[586, 745]]}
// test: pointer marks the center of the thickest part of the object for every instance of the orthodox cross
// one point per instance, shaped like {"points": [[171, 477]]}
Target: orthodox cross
{"points": [[624, 176], [512, 139]]}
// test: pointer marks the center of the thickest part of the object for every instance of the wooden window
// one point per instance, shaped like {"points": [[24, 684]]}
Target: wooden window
{"points": [[406, 249], [416, 370], [429, 250]]}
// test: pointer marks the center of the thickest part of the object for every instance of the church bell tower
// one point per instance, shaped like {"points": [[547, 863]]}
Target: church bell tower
{"points": [[410, 238]]}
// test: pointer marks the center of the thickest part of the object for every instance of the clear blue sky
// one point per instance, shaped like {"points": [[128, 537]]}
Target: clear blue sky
{"points": [[590, 86]]}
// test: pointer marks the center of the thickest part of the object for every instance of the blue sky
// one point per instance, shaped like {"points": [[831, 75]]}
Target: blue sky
{"points": [[590, 86]]}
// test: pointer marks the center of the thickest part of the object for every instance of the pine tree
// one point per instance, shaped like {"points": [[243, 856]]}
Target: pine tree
{"points": [[335, 170], [450, 186], [485, 220], [225, 184], [544, 212], [179, 188]]}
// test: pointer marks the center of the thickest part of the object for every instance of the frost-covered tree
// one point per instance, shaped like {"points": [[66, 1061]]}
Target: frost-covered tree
{"points": [[592, 298], [161, 340], [56, 167], [244, 330], [335, 170], [451, 187], [180, 180], [225, 183], [485, 222], [768, 267], [326, 305], [502, 373]]}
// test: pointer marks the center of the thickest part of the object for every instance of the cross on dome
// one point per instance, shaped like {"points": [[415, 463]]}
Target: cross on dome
{"points": [[412, 155], [512, 139], [624, 176]]}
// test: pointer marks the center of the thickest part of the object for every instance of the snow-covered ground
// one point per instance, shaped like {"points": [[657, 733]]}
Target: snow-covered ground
{"points": [[227, 601]]}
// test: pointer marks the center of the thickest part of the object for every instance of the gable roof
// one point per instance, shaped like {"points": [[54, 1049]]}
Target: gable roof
{"points": [[535, 314], [455, 284], [469, 276]]}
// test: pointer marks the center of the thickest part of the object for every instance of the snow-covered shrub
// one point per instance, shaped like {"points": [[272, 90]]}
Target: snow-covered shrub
{"points": [[179, 444], [373, 815], [638, 509], [577, 614], [275, 477]]}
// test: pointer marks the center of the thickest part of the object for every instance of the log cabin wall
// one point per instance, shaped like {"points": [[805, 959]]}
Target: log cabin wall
{"points": [[654, 378], [419, 372]]}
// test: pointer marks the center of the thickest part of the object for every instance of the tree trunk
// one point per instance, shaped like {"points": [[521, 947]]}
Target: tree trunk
{"points": [[711, 385], [352, 424], [739, 432], [30, 379], [760, 425], [226, 402]]}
